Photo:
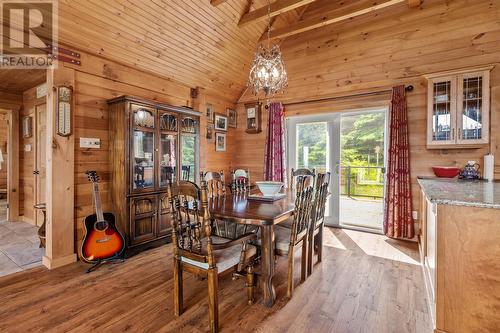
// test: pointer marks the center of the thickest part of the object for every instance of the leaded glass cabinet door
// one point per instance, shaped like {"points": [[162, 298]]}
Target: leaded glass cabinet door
{"points": [[168, 152], [473, 108], [143, 149], [442, 114], [189, 148]]}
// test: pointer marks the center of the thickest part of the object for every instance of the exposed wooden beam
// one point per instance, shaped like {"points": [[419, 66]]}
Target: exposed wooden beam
{"points": [[216, 2], [414, 3], [277, 7], [334, 16]]}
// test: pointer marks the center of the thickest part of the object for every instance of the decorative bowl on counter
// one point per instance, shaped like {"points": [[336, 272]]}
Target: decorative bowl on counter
{"points": [[446, 172], [269, 188]]}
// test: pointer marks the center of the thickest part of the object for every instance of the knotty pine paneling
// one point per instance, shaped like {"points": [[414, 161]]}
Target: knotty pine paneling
{"points": [[377, 51], [189, 41], [98, 80]]}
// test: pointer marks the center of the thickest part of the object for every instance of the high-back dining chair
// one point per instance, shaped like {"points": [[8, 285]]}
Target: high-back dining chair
{"points": [[294, 174], [197, 251], [216, 192], [215, 183], [240, 181], [315, 241], [288, 240]]}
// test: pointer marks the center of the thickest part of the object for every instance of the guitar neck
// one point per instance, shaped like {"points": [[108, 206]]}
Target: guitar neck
{"points": [[97, 202]]}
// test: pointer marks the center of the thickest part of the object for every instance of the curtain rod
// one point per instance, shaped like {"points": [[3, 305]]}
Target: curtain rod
{"points": [[372, 93]]}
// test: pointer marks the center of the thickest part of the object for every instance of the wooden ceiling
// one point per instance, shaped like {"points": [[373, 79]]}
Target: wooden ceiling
{"points": [[16, 81], [207, 43]]}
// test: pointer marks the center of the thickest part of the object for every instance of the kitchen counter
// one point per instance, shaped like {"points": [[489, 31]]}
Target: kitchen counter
{"points": [[469, 193]]}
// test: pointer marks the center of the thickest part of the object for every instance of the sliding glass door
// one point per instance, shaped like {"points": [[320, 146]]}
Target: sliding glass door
{"points": [[351, 146]]}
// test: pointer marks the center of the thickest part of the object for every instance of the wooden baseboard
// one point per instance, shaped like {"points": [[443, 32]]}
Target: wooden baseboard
{"points": [[58, 262]]}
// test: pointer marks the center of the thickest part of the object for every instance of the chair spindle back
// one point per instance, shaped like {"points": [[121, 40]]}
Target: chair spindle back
{"points": [[215, 183], [240, 181], [191, 220], [321, 194], [303, 207], [301, 172]]}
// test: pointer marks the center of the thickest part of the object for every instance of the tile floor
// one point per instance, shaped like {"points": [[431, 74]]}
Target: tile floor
{"points": [[19, 245]]}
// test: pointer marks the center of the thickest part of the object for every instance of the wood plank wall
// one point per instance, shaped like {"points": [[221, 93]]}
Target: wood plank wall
{"points": [[98, 80], [380, 50]]}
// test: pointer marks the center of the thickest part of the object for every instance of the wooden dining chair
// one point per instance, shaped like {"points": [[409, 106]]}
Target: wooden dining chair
{"points": [[294, 174], [216, 192], [240, 181], [310, 176], [197, 251], [288, 240], [315, 241], [215, 183]]}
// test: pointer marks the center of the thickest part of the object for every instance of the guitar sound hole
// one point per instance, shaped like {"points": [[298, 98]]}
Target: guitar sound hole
{"points": [[101, 225]]}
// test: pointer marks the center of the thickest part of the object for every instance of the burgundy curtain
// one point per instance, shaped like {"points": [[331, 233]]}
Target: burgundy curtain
{"points": [[398, 220], [274, 163]]}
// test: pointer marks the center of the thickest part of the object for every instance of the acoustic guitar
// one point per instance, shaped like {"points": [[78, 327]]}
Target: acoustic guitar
{"points": [[102, 239]]}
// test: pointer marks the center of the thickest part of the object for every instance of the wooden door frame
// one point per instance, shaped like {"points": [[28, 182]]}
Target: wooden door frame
{"points": [[36, 157], [12, 164]]}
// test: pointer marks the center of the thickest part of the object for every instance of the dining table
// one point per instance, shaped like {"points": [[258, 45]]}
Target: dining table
{"points": [[240, 208]]}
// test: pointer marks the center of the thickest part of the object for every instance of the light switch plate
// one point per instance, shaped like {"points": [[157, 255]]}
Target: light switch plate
{"points": [[414, 215], [90, 143]]}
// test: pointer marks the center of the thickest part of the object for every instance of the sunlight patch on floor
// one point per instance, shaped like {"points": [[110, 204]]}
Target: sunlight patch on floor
{"points": [[382, 246], [331, 240]]}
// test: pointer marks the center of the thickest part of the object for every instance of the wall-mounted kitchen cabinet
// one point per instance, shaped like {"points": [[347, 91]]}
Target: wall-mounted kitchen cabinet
{"points": [[458, 108]]}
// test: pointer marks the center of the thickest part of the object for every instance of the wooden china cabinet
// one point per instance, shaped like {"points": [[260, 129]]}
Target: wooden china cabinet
{"points": [[150, 144]]}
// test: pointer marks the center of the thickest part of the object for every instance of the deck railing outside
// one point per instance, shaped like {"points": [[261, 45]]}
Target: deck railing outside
{"points": [[359, 181]]}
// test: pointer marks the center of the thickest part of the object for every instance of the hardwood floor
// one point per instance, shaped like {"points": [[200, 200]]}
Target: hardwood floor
{"points": [[366, 283]]}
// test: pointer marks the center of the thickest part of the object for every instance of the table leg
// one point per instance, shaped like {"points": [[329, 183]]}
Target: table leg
{"points": [[267, 234]]}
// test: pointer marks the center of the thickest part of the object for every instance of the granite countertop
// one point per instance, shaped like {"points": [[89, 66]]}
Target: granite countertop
{"points": [[472, 193]]}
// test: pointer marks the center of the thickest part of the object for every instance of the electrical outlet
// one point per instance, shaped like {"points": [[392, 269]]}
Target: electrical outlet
{"points": [[90, 143], [27, 147], [414, 214]]}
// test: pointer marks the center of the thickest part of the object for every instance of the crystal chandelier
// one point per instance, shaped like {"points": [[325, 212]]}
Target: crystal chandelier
{"points": [[268, 71]]}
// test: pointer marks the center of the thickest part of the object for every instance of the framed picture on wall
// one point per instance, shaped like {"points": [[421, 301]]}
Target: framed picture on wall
{"points": [[210, 113], [220, 141], [232, 116], [220, 122], [210, 133]]}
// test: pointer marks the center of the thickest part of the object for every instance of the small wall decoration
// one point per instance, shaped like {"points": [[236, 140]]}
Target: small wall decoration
{"points": [[253, 112], [27, 127], [63, 108], [220, 122], [210, 113], [220, 142], [232, 116], [210, 133]]}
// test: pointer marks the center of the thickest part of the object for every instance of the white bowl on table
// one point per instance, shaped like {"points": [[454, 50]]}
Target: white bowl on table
{"points": [[269, 188]]}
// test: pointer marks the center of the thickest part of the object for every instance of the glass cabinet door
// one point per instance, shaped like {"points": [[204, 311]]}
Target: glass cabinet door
{"points": [[442, 99], [168, 158], [472, 95], [143, 149], [189, 149]]}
